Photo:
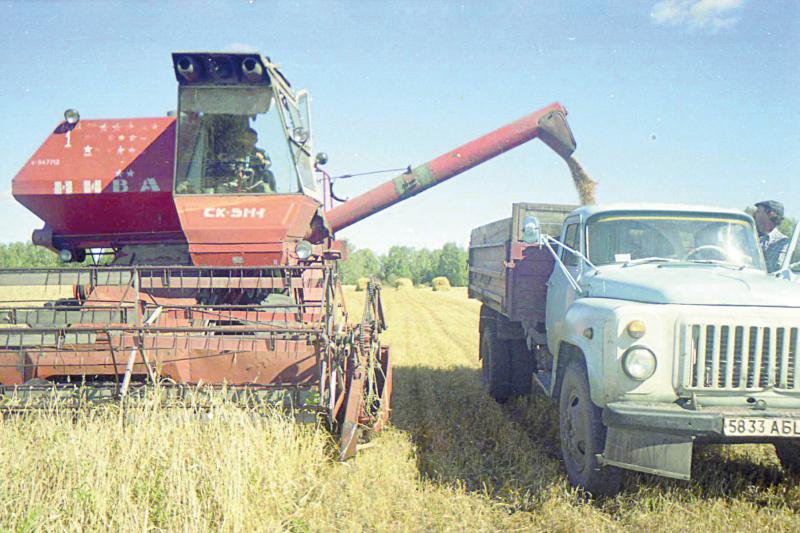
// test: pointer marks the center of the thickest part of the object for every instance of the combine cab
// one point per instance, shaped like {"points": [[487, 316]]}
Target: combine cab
{"points": [[222, 263]]}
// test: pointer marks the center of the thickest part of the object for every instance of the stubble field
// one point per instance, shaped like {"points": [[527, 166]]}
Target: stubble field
{"points": [[452, 460]]}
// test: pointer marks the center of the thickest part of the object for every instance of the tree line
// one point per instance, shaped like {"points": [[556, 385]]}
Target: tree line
{"points": [[418, 265], [28, 255]]}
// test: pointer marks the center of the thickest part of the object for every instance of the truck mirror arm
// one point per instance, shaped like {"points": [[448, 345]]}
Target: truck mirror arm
{"points": [[547, 242]]}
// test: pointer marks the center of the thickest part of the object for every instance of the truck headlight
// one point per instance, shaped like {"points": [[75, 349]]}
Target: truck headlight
{"points": [[303, 249], [639, 362]]}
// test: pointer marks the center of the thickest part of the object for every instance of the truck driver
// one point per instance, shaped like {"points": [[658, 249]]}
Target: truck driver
{"points": [[774, 244]]}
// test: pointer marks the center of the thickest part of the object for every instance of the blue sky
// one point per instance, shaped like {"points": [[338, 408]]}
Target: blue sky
{"points": [[691, 101]]}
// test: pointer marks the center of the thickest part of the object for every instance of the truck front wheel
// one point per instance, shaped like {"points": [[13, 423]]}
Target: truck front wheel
{"points": [[496, 366], [789, 454], [583, 435]]}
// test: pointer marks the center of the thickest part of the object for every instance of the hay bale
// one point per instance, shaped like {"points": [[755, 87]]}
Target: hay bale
{"points": [[440, 283], [361, 284], [583, 183], [403, 283]]}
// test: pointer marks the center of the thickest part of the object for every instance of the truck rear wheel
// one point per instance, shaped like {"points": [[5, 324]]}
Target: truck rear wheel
{"points": [[496, 366], [522, 367], [788, 452], [583, 435]]}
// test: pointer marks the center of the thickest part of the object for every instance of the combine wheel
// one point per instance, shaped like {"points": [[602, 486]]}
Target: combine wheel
{"points": [[583, 436], [496, 366], [789, 454]]}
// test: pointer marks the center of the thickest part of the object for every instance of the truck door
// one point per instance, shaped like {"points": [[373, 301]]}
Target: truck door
{"points": [[791, 264], [560, 293]]}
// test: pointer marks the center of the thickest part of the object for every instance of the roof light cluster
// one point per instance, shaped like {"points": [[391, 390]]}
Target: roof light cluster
{"points": [[194, 68]]}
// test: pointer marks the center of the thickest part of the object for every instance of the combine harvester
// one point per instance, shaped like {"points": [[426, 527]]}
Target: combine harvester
{"points": [[223, 268]]}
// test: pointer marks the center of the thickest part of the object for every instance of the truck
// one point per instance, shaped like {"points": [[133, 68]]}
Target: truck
{"points": [[652, 327], [790, 268]]}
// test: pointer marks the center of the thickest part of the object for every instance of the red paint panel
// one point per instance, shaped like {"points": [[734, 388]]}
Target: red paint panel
{"points": [[109, 179], [526, 283], [490, 145], [249, 230]]}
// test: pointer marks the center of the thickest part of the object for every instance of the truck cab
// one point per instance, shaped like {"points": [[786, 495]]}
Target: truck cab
{"points": [[657, 327], [790, 269]]}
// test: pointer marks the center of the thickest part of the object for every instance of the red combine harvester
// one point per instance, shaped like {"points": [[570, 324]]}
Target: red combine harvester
{"points": [[224, 268]]}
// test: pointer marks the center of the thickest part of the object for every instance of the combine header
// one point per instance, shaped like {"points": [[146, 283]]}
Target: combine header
{"points": [[223, 267]]}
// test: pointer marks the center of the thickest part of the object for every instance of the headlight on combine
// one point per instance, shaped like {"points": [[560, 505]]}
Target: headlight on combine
{"points": [[639, 362], [636, 329], [303, 249]]}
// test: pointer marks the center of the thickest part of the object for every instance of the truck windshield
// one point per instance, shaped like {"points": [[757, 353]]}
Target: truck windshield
{"points": [[624, 237], [231, 140]]}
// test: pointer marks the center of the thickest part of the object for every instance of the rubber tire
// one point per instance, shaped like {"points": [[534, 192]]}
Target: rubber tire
{"points": [[496, 366], [789, 454], [522, 366], [582, 435]]}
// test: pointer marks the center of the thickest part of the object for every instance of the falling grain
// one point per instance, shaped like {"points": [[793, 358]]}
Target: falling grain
{"points": [[583, 183]]}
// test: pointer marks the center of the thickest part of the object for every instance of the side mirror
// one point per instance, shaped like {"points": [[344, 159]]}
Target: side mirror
{"points": [[321, 158], [531, 230]]}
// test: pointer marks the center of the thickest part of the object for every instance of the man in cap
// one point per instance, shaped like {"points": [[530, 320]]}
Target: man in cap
{"points": [[774, 244]]}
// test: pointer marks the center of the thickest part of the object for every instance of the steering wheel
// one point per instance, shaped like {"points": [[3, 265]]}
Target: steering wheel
{"points": [[719, 251]]}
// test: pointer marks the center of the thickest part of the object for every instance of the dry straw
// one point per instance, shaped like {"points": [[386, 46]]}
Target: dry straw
{"points": [[440, 283], [403, 283]]}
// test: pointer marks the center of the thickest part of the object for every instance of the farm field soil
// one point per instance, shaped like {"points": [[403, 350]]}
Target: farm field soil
{"points": [[452, 460]]}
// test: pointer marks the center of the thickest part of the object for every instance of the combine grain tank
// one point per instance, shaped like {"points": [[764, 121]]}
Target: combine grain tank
{"points": [[223, 258]]}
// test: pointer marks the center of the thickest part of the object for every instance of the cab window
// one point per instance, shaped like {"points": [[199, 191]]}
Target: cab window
{"points": [[231, 141], [571, 239]]}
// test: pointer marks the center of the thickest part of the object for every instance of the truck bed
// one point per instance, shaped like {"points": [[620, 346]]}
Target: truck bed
{"points": [[509, 275]]}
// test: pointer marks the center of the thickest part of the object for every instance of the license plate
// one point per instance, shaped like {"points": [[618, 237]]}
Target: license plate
{"points": [[761, 427]]}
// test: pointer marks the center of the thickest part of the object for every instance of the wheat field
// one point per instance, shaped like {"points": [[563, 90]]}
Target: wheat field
{"points": [[452, 460]]}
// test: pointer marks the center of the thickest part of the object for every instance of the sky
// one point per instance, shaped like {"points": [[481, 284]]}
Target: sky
{"points": [[691, 101]]}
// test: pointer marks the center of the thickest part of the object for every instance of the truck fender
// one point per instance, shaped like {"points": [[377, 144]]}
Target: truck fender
{"points": [[578, 347], [582, 335]]}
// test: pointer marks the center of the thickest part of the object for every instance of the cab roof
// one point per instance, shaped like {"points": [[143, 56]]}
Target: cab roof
{"points": [[587, 211]]}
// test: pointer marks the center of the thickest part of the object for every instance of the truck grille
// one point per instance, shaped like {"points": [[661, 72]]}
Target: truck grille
{"points": [[740, 357]]}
